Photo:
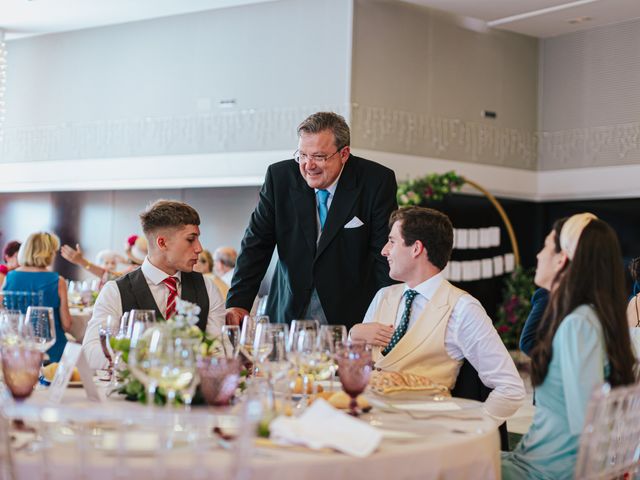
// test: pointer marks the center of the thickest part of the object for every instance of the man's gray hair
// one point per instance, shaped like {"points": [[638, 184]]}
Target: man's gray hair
{"points": [[226, 255], [321, 121]]}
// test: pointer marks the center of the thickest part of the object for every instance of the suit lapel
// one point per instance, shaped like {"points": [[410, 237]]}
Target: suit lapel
{"points": [[436, 311], [304, 202], [341, 205]]}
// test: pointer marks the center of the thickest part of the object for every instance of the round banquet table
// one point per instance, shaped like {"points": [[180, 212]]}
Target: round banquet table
{"points": [[442, 447]]}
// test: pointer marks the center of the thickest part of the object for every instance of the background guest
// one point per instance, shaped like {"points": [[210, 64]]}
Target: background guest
{"points": [[36, 256], [205, 267], [106, 265], [10, 258], [224, 263], [550, 261], [583, 341], [326, 212]]}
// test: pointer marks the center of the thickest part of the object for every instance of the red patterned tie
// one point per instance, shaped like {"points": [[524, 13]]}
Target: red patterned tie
{"points": [[172, 285]]}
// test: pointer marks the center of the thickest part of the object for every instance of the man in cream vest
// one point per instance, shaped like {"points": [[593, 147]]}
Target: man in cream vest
{"points": [[426, 326]]}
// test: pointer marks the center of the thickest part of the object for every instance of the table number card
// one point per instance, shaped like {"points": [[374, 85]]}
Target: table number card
{"points": [[72, 357]]}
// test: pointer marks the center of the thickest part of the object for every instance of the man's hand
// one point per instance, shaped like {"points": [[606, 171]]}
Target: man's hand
{"points": [[376, 334], [235, 315]]}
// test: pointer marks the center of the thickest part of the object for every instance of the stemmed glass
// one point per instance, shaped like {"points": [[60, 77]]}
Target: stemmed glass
{"points": [[270, 346], [147, 317], [142, 336], [39, 327], [297, 325], [248, 335], [230, 340], [172, 366], [21, 368], [303, 351], [117, 361], [109, 328], [330, 339], [354, 364]]}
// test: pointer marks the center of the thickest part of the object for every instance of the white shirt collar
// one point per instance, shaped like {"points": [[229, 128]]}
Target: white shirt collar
{"points": [[154, 274], [428, 288]]}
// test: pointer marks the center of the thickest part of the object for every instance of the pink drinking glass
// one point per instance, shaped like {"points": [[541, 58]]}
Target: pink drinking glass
{"points": [[21, 369], [354, 368]]}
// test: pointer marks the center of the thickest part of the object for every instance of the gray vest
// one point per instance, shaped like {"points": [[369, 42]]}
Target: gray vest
{"points": [[135, 294]]}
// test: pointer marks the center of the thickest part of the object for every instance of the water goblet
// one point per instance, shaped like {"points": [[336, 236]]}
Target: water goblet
{"points": [[330, 339], [248, 335], [21, 368], [297, 325], [230, 340], [147, 317], [219, 378], [109, 328], [354, 364], [39, 327]]}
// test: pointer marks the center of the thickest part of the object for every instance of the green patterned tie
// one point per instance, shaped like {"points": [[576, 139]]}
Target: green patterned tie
{"points": [[404, 322]]}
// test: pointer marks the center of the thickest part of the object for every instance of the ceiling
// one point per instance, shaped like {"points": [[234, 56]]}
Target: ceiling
{"points": [[538, 18]]}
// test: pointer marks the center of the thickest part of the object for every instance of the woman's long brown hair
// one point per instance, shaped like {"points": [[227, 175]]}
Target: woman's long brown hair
{"points": [[594, 277]]}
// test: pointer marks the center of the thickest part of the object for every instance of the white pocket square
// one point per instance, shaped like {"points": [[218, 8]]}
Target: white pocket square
{"points": [[355, 222]]}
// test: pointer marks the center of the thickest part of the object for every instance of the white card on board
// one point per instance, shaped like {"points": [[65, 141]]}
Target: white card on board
{"points": [[72, 356]]}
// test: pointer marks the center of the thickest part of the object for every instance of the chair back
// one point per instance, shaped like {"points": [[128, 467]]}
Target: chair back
{"points": [[21, 300], [610, 440]]}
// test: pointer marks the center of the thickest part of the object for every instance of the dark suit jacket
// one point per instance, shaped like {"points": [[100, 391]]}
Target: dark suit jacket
{"points": [[345, 267]]}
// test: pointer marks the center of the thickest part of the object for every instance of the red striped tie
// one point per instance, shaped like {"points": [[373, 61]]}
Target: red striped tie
{"points": [[172, 285]]}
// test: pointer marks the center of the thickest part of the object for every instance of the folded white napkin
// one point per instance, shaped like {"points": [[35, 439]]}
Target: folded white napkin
{"points": [[322, 426]]}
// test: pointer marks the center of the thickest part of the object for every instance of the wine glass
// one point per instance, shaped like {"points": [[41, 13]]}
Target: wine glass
{"points": [[10, 325], [73, 294], [354, 364], [39, 327], [330, 339], [297, 325], [142, 336], [303, 352], [270, 344], [145, 316], [172, 365], [117, 361], [21, 368], [230, 340], [248, 335], [109, 328]]}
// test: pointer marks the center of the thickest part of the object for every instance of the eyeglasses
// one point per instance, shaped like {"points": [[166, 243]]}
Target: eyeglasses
{"points": [[304, 158]]}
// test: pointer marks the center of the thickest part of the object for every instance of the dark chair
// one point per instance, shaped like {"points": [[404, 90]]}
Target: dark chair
{"points": [[468, 385]]}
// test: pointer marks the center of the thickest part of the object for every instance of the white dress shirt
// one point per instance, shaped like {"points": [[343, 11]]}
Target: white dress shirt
{"points": [[470, 334], [109, 303]]}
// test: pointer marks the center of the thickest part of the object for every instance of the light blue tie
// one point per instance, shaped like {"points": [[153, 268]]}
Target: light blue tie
{"points": [[323, 196]]}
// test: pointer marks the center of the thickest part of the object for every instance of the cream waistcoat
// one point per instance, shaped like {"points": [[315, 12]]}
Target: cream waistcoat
{"points": [[421, 350]]}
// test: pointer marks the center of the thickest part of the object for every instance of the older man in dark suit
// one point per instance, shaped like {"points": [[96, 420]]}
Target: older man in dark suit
{"points": [[325, 211]]}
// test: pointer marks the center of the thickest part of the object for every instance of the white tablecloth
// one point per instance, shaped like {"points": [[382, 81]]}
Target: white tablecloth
{"points": [[445, 449]]}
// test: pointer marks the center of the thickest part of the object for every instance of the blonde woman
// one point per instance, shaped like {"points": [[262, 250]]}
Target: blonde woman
{"points": [[35, 257], [205, 267]]}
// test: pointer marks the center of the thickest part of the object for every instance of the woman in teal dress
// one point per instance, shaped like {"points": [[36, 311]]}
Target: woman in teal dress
{"points": [[33, 275], [583, 341]]}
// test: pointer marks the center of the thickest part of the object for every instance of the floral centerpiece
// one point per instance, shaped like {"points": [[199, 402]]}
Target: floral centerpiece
{"points": [[181, 325], [434, 186], [515, 307]]}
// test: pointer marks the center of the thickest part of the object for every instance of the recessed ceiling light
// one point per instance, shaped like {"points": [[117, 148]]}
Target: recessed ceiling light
{"points": [[576, 20]]}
